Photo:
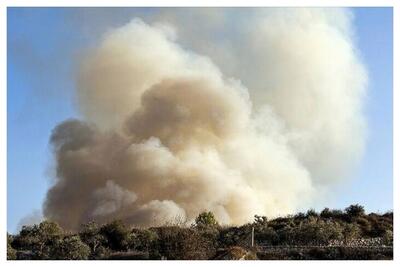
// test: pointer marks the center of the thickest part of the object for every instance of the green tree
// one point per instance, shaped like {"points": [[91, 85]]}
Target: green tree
{"points": [[337, 214], [326, 213], [90, 234], [11, 252], [40, 239], [311, 213], [143, 240], [177, 243], [351, 231], [332, 214], [206, 219], [116, 234], [300, 216], [355, 210], [266, 236], [71, 248], [260, 220], [388, 238]]}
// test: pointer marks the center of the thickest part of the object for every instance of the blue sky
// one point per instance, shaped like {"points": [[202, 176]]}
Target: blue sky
{"points": [[43, 45], [373, 183]]}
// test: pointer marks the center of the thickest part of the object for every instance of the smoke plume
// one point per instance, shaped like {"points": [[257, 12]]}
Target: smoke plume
{"points": [[259, 123]]}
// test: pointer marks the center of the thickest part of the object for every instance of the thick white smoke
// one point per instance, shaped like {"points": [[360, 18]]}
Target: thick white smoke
{"points": [[259, 128]]}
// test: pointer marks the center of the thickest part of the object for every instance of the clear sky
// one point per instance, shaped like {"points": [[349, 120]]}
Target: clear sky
{"points": [[43, 45]]}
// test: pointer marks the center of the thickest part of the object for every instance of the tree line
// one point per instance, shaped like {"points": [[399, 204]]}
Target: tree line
{"points": [[201, 240]]}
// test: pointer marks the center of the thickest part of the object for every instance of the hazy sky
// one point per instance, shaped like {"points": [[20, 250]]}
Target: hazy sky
{"points": [[44, 44]]}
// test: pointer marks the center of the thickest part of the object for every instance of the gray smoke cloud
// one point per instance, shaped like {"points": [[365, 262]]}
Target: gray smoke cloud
{"points": [[261, 121], [35, 217]]}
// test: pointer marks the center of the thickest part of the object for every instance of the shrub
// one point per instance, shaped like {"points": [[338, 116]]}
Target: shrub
{"points": [[300, 216], [11, 252], [355, 210], [266, 236], [260, 221], [116, 234], [326, 213], [234, 236], [211, 234], [143, 240], [40, 239], [71, 248], [337, 214], [90, 235], [206, 219], [183, 243], [312, 213], [351, 231], [388, 238], [365, 225]]}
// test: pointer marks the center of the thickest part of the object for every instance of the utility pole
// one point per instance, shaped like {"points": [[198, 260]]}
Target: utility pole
{"points": [[252, 236]]}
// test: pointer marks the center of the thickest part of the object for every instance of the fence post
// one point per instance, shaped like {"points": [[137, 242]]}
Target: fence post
{"points": [[252, 236]]}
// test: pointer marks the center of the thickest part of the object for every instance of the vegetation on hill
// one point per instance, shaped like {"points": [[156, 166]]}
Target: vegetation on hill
{"points": [[330, 234]]}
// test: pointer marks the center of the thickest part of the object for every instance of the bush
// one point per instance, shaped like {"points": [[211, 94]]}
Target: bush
{"points": [[143, 240], [260, 221], [183, 243], [40, 239], [365, 225], [312, 213], [11, 252], [351, 231], [388, 238], [266, 236], [234, 236], [300, 216], [206, 219], [71, 248], [326, 213], [211, 234], [338, 214], [117, 235], [90, 235], [355, 210]]}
